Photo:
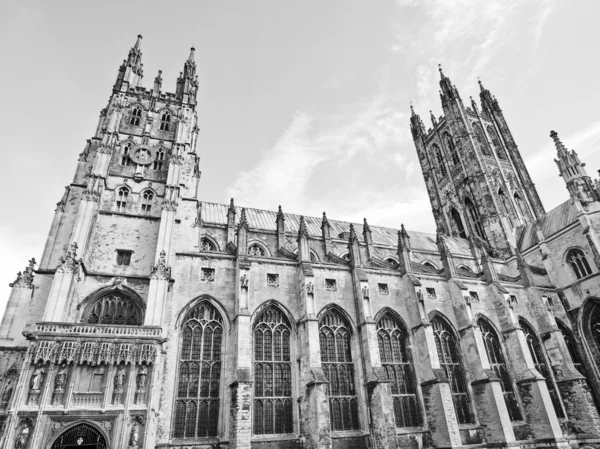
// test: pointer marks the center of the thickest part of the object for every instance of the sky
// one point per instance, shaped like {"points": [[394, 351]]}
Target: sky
{"points": [[302, 103]]}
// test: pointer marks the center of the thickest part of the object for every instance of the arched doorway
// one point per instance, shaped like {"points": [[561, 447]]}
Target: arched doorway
{"points": [[82, 436]]}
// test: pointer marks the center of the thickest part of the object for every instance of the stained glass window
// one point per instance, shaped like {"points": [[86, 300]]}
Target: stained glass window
{"points": [[336, 359], [113, 308], [272, 374], [395, 359], [197, 403], [498, 148], [481, 141], [475, 218], [440, 160], [539, 360], [448, 354], [452, 149], [498, 365], [579, 263]]}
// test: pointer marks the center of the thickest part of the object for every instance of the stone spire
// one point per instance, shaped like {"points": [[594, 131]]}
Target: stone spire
{"points": [[572, 170], [416, 124], [448, 90], [243, 220], [187, 83], [131, 70], [488, 101]]}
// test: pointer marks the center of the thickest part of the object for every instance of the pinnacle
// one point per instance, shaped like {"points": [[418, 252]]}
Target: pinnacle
{"points": [[138, 42]]}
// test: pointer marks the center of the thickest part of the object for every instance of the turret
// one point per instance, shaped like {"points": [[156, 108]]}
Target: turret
{"points": [[572, 170], [187, 83], [131, 71], [447, 90], [488, 101], [416, 124]]}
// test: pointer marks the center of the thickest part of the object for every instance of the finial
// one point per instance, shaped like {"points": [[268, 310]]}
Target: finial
{"points": [[366, 227], [280, 214], [302, 227], [412, 110], [138, 42], [432, 116], [352, 232], [441, 71], [557, 142], [231, 207], [243, 219], [325, 221], [191, 57]]}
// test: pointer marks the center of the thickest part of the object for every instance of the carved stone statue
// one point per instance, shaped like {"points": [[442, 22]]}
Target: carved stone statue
{"points": [[142, 379], [22, 437], [37, 378], [135, 434], [6, 395], [120, 376], [61, 379]]}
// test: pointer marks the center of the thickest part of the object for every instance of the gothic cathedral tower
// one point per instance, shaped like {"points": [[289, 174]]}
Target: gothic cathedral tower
{"points": [[477, 182]]}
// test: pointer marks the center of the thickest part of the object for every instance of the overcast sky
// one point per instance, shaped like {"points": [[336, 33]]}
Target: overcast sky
{"points": [[301, 103]]}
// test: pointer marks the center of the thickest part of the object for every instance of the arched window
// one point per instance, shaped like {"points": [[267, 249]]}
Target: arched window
{"points": [[429, 264], [505, 208], [475, 219], [496, 143], [440, 160], [520, 206], [593, 331], [452, 149], [136, 116], [272, 374], [198, 385], [125, 152], [165, 122], [481, 141], [256, 251], [207, 245], [448, 353], [541, 365], [396, 362], [392, 262], [579, 263], [82, 435], [122, 195], [572, 347], [495, 355], [113, 308], [159, 160], [336, 359], [458, 222], [147, 198]]}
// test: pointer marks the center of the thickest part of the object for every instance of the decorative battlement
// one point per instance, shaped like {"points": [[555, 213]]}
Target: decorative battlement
{"points": [[97, 330]]}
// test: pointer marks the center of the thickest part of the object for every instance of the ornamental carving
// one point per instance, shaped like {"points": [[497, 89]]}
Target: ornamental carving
{"points": [[143, 155], [161, 270], [69, 263], [119, 383], [25, 278], [35, 385], [60, 381], [141, 382], [24, 427]]}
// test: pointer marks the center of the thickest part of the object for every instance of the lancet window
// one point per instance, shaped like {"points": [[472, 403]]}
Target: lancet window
{"points": [[452, 149], [496, 143], [475, 219], [165, 122], [256, 251], [396, 362], [159, 160], [448, 353], [336, 359], [198, 384], [113, 308], [272, 374], [440, 160], [579, 263], [541, 365], [125, 152], [593, 325], [458, 223], [147, 197], [481, 141], [207, 245], [122, 195], [136, 115], [497, 361]]}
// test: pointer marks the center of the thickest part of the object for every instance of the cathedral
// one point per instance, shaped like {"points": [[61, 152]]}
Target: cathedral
{"points": [[157, 320]]}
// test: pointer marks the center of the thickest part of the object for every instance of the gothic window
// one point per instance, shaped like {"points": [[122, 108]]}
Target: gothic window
{"points": [[520, 206], [579, 263], [475, 219], [541, 365], [498, 365], [336, 359], [272, 374], [480, 138], [452, 149], [256, 251], [165, 122], [113, 308], [82, 435], [123, 257], [593, 331], [396, 362], [440, 160], [429, 264], [198, 385], [572, 347], [448, 353], [496, 143], [122, 195], [125, 152], [159, 160], [458, 222], [392, 262], [147, 198], [136, 116], [207, 245]]}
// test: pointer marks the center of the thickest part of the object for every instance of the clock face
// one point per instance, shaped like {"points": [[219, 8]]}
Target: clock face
{"points": [[143, 155], [79, 441]]}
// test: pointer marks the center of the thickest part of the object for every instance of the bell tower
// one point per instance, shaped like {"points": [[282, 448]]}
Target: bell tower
{"points": [[478, 185]]}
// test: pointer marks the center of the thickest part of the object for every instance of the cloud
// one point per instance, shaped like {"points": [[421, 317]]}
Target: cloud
{"points": [[334, 150]]}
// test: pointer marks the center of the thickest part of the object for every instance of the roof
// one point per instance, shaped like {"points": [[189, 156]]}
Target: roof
{"points": [[552, 222], [265, 220]]}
